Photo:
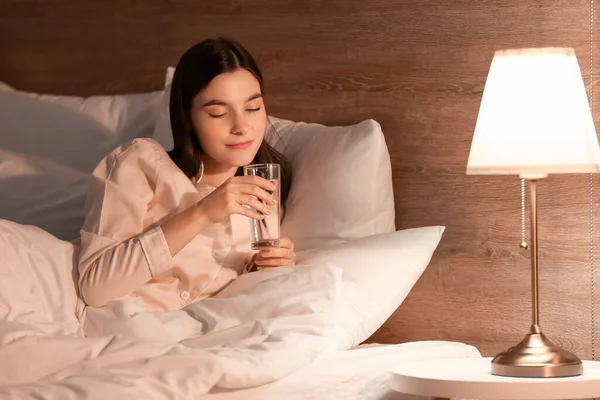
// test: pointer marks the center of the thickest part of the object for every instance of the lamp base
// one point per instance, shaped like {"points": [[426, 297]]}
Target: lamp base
{"points": [[536, 357]]}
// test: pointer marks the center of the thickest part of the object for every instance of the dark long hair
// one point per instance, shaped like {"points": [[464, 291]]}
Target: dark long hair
{"points": [[196, 68]]}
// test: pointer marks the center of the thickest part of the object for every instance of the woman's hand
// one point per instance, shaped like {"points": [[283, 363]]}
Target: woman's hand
{"points": [[233, 197], [276, 256]]}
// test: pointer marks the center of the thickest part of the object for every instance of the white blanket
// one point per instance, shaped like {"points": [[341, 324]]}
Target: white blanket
{"points": [[261, 328], [248, 339]]}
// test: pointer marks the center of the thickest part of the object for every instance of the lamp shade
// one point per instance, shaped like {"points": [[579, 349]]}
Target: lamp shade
{"points": [[534, 118]]}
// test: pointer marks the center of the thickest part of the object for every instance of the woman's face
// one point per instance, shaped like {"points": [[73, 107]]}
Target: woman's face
{"points": [[230, 119]]}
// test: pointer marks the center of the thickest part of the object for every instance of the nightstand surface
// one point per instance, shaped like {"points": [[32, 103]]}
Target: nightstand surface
{"points": [[471, 378]]}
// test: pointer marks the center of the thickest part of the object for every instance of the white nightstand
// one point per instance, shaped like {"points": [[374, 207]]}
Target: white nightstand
{"points": [[470, 378]]}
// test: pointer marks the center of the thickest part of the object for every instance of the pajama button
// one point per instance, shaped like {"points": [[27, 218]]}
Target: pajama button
{"points": [[185, 295]]}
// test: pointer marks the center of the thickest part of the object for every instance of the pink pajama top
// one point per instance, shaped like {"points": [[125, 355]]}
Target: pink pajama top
{"points": [[123, 249]]}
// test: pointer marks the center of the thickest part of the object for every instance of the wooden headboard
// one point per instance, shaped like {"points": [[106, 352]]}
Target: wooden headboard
{"points": [[418, 67]]}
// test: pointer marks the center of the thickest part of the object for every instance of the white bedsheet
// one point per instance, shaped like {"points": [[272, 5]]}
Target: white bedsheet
{"points": [[358, 374]]}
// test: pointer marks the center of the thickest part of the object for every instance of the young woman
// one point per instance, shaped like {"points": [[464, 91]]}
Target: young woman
{"points": [[172, 228]]}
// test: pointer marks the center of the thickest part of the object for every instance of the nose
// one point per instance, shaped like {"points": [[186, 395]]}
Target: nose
{"points": [[240, 126]]}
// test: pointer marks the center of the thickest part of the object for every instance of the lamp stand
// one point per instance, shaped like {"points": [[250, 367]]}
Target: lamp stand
{"points": [[536, 356]]}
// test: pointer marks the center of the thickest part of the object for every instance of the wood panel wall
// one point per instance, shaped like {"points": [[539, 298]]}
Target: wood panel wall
{"points": [[416, 66]]}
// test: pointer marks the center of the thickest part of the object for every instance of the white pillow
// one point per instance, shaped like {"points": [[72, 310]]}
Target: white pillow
{"points": [[378, 272], [49, 145], [74, 131], [44, 193], [37, 284], [6, 88], [162, 128], [342, 182], [342, 178]]}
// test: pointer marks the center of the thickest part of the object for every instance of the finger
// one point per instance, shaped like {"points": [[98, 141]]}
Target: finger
{"points": [[274, 262], [248, 212], [287, 243], [258, 181], [276, 253], [257, 192], [253, 202]]}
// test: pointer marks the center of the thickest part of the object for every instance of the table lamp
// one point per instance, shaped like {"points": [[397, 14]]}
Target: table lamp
{"points": [[534, 119]]}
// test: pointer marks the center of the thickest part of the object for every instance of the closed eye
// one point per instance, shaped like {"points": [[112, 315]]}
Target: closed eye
{"points": [[254, 109], [217, 115]]}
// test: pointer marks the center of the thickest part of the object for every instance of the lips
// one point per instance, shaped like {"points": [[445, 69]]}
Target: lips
{"points": [[240, 146]]}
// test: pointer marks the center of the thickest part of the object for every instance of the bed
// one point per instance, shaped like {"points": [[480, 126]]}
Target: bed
{"points": [[292, 324]]}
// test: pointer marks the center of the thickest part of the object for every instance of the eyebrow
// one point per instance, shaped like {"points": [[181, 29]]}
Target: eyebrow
{"points": [[223, 103]]}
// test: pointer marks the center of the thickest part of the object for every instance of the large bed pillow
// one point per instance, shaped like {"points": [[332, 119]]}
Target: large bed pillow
{"points": [[342, 182], [162, 128], [5, 87], [378, 272], [74, 131], [342, 185], [50, 144], [41, 192]]}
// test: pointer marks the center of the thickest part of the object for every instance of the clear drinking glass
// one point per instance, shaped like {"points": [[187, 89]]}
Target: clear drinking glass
{"points": [[264, 233]]}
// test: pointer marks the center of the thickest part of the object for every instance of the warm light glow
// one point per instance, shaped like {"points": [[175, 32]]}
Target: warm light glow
{"points": [[534, 117]]}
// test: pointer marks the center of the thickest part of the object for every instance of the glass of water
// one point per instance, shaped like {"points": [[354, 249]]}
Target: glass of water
{"points": [[264, 233]]}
